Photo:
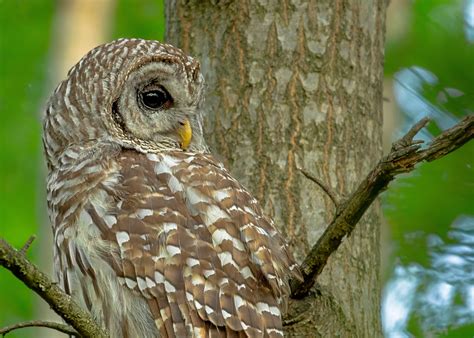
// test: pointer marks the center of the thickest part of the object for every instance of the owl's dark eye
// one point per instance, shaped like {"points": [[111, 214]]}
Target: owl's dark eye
{"points": [[156, 98]]}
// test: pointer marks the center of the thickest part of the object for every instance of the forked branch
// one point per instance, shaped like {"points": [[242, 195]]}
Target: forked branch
{"points": [[403, 157]]}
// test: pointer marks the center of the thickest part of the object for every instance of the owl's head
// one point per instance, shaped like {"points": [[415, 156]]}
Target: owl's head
{"points": [[136, 93]]}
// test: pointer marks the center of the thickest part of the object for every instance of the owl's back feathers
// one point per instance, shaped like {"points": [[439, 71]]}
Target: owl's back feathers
{"points": [[179, 232]]}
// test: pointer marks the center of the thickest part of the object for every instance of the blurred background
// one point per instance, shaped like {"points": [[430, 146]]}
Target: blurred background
{"points": [[428, 234]]}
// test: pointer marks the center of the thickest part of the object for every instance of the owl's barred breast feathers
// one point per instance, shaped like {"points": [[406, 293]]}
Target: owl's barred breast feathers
{"points": [[152, 239]]}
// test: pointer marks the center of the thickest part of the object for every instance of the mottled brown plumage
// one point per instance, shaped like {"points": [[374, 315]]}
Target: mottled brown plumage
{"points": [[153, 235]]}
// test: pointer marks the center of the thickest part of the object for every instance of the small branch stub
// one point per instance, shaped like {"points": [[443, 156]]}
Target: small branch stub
{"points": [[27, 245]]}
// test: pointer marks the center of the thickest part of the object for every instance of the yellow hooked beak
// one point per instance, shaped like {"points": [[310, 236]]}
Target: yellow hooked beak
{"points": [[185, 134]]}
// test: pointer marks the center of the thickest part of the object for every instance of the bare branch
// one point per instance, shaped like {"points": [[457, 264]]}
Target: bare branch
{"points": [[39, 282], [40, 323], [403, 157]]}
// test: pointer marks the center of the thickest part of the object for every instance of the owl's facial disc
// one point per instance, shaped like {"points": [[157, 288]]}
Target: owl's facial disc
{"points": [[157, 98], [155, 106]]}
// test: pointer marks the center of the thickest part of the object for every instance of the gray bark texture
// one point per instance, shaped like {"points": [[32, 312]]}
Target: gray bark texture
{"points": [[299, 83]]}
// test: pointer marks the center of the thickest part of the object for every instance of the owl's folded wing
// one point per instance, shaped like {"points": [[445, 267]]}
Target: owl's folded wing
{"points": [[196, 245]]}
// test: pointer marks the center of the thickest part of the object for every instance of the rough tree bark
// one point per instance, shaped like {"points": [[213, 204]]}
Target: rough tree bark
{"points": [[298, 83]]}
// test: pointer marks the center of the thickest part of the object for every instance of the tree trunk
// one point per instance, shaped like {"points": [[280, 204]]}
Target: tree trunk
{"points": [[298, 83]]}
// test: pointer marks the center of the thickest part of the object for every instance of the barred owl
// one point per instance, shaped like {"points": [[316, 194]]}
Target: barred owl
{"points": [[151, 233]]}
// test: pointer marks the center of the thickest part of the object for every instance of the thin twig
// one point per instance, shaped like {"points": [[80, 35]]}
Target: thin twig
{"points": [[331, 193], [64, 328], [403, 157], [39, 282], [27, 245]]}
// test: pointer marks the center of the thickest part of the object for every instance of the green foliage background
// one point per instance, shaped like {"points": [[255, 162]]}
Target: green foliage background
{"points": [[437, 193], [422, 208], [24, 43], [423, 203]]}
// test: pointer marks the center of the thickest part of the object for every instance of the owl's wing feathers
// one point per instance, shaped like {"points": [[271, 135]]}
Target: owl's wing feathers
{"points": [[196, 245]]}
